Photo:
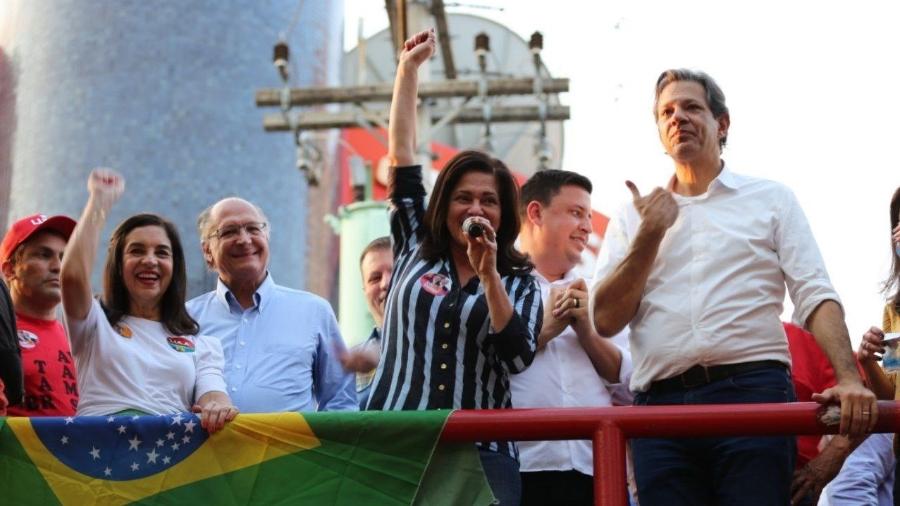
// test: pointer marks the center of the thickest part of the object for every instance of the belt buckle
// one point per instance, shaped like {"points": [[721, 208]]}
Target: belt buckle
{"points": [[692, 377]]}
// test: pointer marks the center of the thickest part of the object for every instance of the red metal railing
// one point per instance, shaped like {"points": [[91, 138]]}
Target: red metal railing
{"points": [[608, 428]]}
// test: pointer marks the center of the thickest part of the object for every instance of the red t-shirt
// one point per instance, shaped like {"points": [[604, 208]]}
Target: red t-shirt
{"points": [[50, 379], [812, 373]]}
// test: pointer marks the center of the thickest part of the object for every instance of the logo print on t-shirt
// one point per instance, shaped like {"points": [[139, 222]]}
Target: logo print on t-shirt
{"points": [[123, 330], [435, 284], [181, 344], [27, 340]]}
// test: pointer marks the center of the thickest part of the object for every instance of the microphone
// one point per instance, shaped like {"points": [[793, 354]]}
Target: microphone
{"points": [[472, 228]]}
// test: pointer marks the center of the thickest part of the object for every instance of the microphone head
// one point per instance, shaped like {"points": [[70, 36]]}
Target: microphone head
{"points": [[472, 228]]}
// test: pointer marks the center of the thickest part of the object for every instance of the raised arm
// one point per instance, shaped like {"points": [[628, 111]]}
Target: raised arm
{"points": [[105, 186], [402, 126], [617, 297]]}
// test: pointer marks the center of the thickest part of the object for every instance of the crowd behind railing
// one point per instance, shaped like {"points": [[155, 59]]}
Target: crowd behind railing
{"points": [[477, 306]]}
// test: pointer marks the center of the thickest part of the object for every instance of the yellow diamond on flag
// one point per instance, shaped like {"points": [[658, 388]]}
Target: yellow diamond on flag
{"points": [[121, 459]]}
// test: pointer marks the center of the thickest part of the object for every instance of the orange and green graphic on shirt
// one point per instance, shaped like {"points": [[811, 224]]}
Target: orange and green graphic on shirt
{"points": [[181, 344]]}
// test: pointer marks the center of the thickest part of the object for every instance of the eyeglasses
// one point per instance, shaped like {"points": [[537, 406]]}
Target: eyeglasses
{"points": [[254, 229]]}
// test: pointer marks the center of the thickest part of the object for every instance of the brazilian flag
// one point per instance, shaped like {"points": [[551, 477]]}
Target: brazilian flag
{"points": [[368, 458]]}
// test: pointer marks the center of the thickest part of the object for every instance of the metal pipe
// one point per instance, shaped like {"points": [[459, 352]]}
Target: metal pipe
{"points": [[608, 428], [651, 421], [609, 466]]}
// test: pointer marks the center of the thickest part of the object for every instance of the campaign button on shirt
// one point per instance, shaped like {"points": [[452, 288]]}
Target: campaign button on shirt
{"points": [[436, 284], [181, 344], [27, 340]]}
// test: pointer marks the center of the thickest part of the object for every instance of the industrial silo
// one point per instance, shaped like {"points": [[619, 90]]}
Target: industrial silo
{"points": [[162, 91]]}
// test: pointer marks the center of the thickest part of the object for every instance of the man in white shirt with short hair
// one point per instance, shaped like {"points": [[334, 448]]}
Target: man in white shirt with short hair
{"points": [[574, 366], [699, 271]]}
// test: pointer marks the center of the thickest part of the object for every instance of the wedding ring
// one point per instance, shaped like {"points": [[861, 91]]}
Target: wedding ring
{"points": [[577, 303]]}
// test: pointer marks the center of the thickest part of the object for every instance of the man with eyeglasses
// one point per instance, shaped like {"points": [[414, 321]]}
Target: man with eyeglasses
{"points": [[281, 345]]}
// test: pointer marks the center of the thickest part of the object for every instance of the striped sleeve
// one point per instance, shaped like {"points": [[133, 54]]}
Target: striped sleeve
{"points": [[516, 343], [407, 208]]}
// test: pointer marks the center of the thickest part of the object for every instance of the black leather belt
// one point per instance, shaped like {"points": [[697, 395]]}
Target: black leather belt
{"points": [[699, 375]]}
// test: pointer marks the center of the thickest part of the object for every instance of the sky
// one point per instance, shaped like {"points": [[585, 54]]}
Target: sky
{"points": [[809, 86]]}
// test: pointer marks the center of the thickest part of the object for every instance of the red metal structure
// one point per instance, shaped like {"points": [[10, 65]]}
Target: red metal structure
{"points": [[608, 428]]}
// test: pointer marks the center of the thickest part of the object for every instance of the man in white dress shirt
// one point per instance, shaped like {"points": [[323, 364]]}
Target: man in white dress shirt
{"points": [[699, 271], [574, 366]]}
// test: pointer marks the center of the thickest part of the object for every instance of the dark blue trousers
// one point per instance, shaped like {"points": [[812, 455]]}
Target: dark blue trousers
{"points": [[716, 470], [502, 472]]}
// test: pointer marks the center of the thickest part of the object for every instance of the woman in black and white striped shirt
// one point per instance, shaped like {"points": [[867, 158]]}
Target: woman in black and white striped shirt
{"points": [[463, 310]]}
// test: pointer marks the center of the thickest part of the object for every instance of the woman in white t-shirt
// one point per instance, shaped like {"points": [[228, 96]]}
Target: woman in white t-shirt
{"points": [[137, 349]]}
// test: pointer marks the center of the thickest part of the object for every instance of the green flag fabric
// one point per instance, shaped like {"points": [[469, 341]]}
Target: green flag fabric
{"points": [[368, 458]]}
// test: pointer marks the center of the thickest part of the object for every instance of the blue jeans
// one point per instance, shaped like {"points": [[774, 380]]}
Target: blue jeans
{"points": [[502, 473], [718, 470]]}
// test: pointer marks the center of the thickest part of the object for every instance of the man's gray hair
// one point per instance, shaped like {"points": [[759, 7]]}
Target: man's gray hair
{"points": [[715, 98]]}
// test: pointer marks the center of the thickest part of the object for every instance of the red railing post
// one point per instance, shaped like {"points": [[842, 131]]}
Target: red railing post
{"points": [[609, 466]]}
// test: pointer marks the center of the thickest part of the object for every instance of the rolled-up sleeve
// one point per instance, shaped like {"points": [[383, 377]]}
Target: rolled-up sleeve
{"points": [[804, 269], [210, 363], [613, 250]]}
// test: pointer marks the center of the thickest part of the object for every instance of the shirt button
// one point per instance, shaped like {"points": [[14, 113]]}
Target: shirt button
{"points": [[234, 389], [451, 304], [237, 366], [443, 366], [441, 388], [444, 346], [447, 325], [242, 343]]}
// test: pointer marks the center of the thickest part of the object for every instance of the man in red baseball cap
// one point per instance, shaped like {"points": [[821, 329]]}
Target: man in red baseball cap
{"points": [[30, 256]]}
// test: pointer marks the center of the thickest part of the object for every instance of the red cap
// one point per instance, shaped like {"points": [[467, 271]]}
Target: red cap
{"points": [[21, 230]]}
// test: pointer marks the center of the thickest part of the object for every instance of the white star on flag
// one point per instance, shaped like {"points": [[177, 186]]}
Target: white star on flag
{"points": [[107, 472], [121, 429], [166, 460], [135, 466], [69, 420], [135, 417], [176, 446], [160, 442], [110, 419], [186, 439], [151, 457], [189, 426], [64, 440], [95, 452], [176, 420], [133, 443], [170, 436]]}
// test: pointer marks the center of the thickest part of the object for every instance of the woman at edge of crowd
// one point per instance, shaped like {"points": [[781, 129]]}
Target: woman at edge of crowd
{"points": [[137, 349], [463, 310], [884, 384]]}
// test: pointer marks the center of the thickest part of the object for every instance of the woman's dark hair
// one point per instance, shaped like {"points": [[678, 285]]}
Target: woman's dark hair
{"points": [[436, 240], [173, 314], [892, 283]]}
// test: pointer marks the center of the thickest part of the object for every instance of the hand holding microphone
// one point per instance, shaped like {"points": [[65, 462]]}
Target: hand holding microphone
{"points": [[472, 228], [482, 248]]}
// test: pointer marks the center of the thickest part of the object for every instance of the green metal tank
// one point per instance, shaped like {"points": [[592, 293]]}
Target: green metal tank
{"points": [[358, 224]]}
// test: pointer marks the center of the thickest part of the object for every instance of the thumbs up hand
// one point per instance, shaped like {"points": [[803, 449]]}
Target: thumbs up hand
{"points": [[658, 209]]}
